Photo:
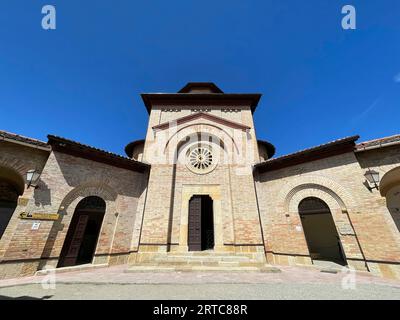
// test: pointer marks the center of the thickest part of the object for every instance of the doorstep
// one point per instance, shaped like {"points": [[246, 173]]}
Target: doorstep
{"points": [[82, 267]]}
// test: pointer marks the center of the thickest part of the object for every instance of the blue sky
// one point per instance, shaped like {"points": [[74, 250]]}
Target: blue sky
{"points": [[82, 81]]}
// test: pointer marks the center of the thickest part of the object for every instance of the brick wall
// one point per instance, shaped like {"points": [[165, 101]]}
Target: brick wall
{"points": [[66, 180], [364, 224], [164, 200]]}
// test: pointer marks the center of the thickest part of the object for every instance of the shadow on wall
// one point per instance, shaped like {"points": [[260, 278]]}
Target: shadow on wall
{"points": [[42, 194], [77, 171], [379, 157]]}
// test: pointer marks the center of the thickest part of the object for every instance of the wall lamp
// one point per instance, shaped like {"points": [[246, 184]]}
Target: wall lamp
{"points": [[32, 177], [373, 179]]}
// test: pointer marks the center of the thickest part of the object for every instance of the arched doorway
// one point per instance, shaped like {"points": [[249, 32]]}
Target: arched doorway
{"points": [[11, 187], [81, 240], [320, 231], [201, 223], [393, 204], [390, 188]]}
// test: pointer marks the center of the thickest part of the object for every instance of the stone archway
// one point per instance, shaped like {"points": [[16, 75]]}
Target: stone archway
{"points": [[390, 189], [11, 187], [393, 204], [339, 201], [320, 231], [58, 232], [83, 232]]}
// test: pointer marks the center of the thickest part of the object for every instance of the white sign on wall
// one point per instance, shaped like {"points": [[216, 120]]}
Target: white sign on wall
{"points": [[35, 226]]}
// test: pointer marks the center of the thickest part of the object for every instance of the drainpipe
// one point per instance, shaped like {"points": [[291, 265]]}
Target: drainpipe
{"points": [[255, 175]]}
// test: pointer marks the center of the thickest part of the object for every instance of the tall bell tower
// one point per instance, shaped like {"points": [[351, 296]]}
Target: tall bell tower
{"points": [[201, 145]]}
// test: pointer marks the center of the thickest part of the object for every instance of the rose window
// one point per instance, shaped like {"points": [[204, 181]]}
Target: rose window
{"points": [[200, 160]]}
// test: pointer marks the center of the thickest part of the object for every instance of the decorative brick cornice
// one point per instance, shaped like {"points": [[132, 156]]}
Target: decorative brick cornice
{"points": [[250, 99], [201, 115]]}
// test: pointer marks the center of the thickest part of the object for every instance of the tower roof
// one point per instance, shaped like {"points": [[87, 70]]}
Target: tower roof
{"points": [[201, 92], [200, 87]]}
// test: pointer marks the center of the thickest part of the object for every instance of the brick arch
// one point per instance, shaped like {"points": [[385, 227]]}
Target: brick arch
{"points": [[15, 164], [100, 190], [338, 202], [219, 148], [324, 186], [303, 191], [188, 130], [389, 179], [19, 169], [67, 210]]}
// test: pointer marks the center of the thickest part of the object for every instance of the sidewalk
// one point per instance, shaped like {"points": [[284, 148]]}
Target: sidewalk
{"points": [[288, 275]]}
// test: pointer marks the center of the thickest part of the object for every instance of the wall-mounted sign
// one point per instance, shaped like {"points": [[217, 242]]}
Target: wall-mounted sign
{"points": [[39, 216], [35, 226], [345, 230]]}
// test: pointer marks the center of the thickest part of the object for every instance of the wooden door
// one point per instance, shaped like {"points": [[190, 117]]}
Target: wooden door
{"points": [[76, 241], [194, 232]]}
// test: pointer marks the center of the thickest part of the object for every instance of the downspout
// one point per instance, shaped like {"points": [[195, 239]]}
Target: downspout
{"points": [[144, 209], [255, 175]]}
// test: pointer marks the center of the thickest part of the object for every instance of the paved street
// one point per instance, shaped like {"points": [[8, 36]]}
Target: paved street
{"points": [[115, 283], [201, 291]]}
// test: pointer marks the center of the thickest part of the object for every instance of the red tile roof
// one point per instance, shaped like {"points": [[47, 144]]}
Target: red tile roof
{"points": [[85, 151], [378, 143], [5, 135], [319, 152]]}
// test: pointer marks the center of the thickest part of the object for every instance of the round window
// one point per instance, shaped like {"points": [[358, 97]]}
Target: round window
{"points": [[200, 160]]}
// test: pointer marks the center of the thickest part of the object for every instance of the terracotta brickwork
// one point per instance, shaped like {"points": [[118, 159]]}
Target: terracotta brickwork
{"points": [[256, 200], [19, 159], [161, 225], [364, 224], [65, 180]]}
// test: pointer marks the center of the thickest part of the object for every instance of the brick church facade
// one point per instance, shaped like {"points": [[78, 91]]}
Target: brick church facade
{"points": [[200, 192]]}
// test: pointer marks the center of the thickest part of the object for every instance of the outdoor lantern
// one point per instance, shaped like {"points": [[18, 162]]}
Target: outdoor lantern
{"points": [[373, 178], [32, 177]]}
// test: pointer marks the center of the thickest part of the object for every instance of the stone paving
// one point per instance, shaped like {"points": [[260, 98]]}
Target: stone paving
{"points": [[288, 275], [304, 283]]}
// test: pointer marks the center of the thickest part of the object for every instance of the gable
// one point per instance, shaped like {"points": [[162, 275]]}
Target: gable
{"points": [[201, 115]]}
